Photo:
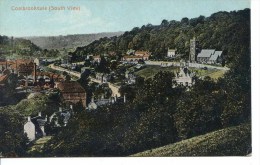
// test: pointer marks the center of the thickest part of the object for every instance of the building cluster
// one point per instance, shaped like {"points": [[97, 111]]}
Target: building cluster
{"points": [[34, 128], [208, 56], [29, 73]]}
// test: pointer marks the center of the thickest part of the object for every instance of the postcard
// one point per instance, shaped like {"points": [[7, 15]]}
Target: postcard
{"points": [[125, 78]]}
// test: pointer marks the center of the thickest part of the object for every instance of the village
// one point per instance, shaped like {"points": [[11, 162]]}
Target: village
{"points": [[128, 79], [48, 76]]}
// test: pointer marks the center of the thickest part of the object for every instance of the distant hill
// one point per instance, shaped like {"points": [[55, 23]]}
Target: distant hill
{"points": [[17, 47], [68, 41], [235, 141]]}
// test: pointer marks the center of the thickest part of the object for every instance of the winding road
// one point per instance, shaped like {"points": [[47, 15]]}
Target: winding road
{"points": [[114, 88]]}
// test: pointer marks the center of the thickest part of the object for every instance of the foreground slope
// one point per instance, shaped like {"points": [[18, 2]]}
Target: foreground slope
{"points": [[232, 141]]}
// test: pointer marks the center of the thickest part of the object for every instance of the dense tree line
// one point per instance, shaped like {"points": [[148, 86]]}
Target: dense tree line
{"points": [[224, 31]]}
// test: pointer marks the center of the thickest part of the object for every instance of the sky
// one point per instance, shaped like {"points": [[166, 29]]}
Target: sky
{"points": [[97, 16]]}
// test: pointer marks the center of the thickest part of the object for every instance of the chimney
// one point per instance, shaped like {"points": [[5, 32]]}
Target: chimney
{"points": [[29, 118], [39, 114], [60, 109], [34, 73]]}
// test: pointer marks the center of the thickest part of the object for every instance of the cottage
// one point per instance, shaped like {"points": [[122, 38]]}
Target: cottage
{"points": [[171, 53], [132, 58], [64, 114], [34, 127], [142, 53], [184, 77], [72, 92]]}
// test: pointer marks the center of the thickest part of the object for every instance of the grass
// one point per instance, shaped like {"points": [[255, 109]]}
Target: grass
{"points": [[150, 70], [231, 141], [38, 144], [212, 73]]}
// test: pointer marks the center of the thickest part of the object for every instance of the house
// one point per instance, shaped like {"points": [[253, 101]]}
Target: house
{"points": [[142, 53], [184, 77], [62, 115], [92, 105], [103, 78], [171, 53], [72, 92], [34, 127], [132, 58]]}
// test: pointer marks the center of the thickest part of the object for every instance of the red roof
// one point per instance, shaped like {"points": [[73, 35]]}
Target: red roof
{"points": [[3, 78], [70, 87]]}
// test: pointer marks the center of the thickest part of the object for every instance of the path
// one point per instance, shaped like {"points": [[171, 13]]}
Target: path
{"points": [[113, 87]]}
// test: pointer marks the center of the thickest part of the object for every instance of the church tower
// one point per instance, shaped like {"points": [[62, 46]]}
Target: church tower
{"points": [[193, 53]]}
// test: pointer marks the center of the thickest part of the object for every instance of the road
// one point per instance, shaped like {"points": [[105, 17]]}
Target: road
{"points": [[114, 88], [195, 65]]}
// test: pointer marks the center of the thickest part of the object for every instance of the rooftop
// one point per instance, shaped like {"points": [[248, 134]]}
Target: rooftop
{"points": [[206, 52], [70, 87]]}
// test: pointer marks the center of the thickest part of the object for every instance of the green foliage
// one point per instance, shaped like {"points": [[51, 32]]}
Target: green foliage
{"points": [[231, 141], [227, 31], [39, 103], [12, 139]]}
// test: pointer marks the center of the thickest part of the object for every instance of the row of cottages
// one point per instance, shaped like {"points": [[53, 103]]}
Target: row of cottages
{"points": [[72, 92], [134, 56], [94, 104], [209, 56]]}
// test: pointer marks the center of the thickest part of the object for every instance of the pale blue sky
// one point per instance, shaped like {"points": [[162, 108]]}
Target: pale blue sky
{"points": [[102, 15]]}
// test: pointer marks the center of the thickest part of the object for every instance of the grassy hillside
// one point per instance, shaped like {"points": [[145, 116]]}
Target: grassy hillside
{"points": [[232, 141], [69, 41]]}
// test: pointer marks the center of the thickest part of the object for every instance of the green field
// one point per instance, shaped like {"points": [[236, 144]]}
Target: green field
{"points": [[38, 144], [232, 141], [150, 70]]}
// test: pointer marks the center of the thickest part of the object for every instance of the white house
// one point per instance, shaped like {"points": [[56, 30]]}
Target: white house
{"points": [[171, 53], [29, 129]]}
